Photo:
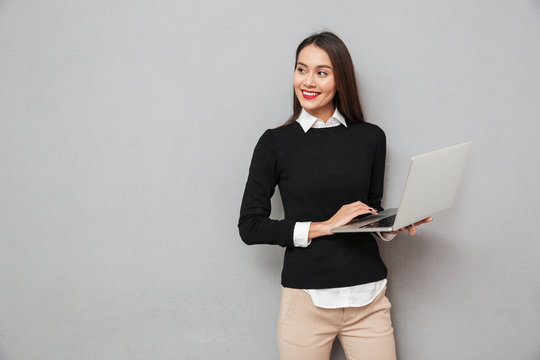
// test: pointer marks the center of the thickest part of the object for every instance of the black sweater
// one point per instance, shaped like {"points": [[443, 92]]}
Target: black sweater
{"points": [[317, 172]]}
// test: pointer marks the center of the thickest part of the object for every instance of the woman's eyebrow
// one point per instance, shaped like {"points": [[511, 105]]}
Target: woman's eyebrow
{"points": [[318, 66]]}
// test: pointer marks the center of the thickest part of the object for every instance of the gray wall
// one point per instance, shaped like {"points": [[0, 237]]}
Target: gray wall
{"points": [[127, 127]]}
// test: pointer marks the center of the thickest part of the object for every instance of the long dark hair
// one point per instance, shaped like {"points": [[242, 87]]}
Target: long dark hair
{"points": [[346, 99]]}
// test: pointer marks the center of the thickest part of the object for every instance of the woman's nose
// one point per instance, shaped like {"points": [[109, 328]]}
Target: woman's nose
{"points": [[310, 80]]}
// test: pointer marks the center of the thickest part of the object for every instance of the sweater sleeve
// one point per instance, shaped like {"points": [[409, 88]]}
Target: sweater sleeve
{"points": [[254, 224], [377, 173]]}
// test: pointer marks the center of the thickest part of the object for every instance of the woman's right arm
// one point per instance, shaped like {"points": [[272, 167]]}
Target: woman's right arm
{"points": [[254, 224]]}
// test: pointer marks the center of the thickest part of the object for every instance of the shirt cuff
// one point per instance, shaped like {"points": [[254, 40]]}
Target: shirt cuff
{"points": [[301, 232], [386, 236]]}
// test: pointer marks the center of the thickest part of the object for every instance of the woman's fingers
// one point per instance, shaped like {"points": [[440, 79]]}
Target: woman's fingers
{"points": [[349, 211], [426, 220], [362, 211], [397, 231], [358, 208], [411, 228]]}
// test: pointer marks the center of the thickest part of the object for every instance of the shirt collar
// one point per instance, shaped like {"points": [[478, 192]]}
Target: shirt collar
{"points": [[307, 120]]}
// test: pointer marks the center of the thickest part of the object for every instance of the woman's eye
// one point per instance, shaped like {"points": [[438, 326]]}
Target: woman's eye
{"points": [[322, 73], [301, 70]]}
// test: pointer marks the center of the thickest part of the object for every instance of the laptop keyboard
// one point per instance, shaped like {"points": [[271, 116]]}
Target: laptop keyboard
{"points": [[385, 222]]}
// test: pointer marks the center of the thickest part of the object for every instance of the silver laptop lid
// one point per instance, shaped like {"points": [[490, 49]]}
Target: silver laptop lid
{"points": [[432, 183]]}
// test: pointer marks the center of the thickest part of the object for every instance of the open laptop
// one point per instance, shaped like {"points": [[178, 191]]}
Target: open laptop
{"points": [[431, 187]]}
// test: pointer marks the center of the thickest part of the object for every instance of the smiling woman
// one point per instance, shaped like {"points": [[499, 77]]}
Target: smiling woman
{"points": [[323, 60], [329, 166]]}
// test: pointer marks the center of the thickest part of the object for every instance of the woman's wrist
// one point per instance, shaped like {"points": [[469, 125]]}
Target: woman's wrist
{"points": [[317, 229]]}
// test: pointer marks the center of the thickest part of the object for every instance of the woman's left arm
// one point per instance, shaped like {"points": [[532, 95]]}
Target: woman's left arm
{"points": [[376, 183]]}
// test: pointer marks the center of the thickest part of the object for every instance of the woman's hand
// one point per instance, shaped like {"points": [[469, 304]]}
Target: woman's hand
{"points": [[348, 212], [344, 215], [411, 228]]}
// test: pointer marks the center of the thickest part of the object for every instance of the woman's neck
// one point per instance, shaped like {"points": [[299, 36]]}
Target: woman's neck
{"points": [[324, 115]]}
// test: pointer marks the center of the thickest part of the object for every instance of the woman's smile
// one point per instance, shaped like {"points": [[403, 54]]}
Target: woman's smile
{"points": [[309, 94]]}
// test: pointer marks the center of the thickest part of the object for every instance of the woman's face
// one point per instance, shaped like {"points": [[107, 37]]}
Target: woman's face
{"points": [[314, 82]]}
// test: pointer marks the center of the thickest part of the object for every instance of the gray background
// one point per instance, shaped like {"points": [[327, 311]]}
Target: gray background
{"points": [[126, 132]]}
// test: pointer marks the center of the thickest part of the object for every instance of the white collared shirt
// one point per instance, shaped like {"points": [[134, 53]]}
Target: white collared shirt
{"points": [[349, 296], [308, 121]]}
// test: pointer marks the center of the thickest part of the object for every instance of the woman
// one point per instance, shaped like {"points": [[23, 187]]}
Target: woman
{"points": [[329, 165]]}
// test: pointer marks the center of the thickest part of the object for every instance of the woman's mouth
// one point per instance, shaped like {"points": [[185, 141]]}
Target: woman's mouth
{"points": [[310, 94]]}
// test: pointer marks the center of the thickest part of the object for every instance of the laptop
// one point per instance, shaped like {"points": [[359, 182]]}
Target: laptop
{"points": [[430, 188]]}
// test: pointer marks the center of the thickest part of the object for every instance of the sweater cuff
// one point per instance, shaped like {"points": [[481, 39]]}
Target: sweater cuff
{"points": [[386, 236], [301, 232]]}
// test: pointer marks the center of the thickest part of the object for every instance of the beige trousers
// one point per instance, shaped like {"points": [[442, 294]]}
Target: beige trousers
{"points": [[307, 332]]}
